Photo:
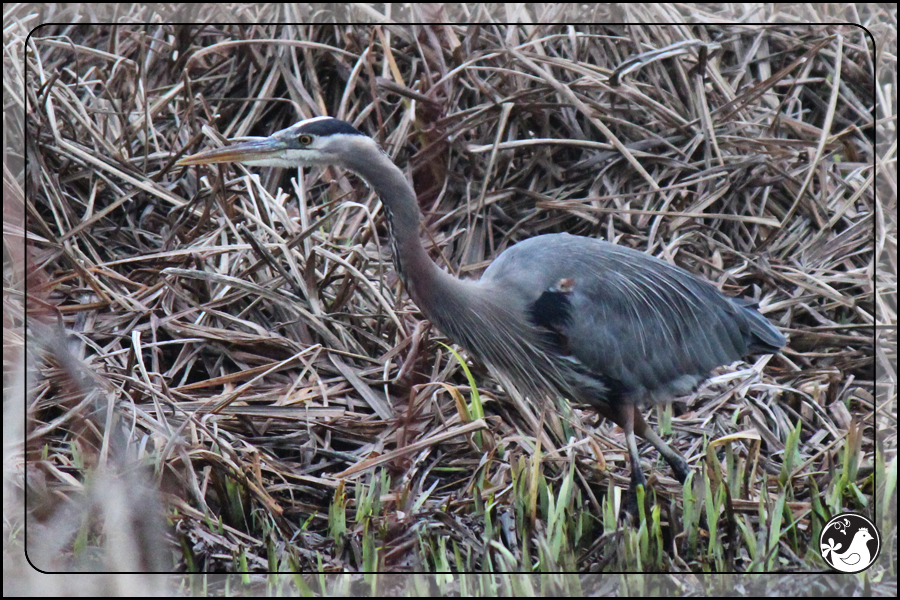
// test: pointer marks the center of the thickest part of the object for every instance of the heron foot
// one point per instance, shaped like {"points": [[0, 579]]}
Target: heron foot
{"points": [[630, 512], [680, 467]]}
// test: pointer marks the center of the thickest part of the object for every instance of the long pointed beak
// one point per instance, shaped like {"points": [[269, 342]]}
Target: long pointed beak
{"points": [[255, 151]]}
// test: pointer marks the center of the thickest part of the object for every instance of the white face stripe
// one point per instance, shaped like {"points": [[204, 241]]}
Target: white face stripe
{"points": [[308, 121], [318, 127]]}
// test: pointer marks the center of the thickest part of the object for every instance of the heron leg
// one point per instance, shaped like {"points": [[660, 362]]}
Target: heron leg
{"points": [[673, 457], [627, 421], [628, 413]]}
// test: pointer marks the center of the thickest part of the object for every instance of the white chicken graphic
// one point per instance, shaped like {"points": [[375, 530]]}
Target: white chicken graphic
{"points": [[854, 557]]}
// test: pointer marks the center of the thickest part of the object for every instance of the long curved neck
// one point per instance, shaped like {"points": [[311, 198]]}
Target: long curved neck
{"points": [[432, 289], [475, 315]]}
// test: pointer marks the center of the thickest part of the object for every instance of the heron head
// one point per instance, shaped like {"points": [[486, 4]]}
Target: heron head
{"points": [[316, 141]]}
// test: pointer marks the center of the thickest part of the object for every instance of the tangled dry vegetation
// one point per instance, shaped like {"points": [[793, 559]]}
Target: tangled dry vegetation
{"points": [[238, 339]]}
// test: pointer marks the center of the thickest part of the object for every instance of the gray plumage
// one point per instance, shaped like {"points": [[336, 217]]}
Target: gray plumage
{"points": [[644, 327], [554, 315]]}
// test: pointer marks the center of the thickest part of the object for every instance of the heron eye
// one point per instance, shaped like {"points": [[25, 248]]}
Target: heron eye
{"points": [[305, 140]]}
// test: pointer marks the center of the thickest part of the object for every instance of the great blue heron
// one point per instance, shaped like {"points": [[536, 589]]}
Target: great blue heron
{"points": [[554, 315]]}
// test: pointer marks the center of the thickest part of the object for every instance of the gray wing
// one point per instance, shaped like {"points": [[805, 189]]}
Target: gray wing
{"points": [[644, 328]]}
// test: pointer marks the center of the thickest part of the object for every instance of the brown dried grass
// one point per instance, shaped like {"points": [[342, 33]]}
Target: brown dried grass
{"points": [[242, 333]]}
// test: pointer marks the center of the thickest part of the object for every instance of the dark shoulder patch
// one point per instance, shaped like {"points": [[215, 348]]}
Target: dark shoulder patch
{"points": [[552, 309], [325, 127]]}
